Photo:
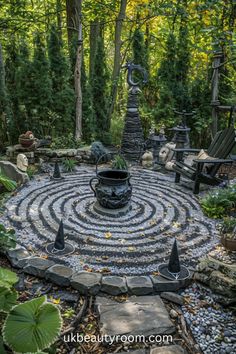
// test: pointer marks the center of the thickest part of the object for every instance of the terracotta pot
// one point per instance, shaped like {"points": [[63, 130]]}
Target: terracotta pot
{"points": [[26, 142], [229, 244]]}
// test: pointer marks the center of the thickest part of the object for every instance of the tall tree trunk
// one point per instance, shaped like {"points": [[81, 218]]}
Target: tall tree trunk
{"points": [[73, 9], [117, 54], [77, 75]]}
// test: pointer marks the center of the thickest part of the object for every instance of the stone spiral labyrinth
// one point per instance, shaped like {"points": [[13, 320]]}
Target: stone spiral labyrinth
{"points": [[134, 243]]}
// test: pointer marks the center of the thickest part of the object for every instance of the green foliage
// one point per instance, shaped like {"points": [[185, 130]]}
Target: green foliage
{"points": [[7, 277], [62, 93], [88, 116], [7, 183], [228, 228], [69, 165], [219, 203], [7, 238], [100, 94], [41, 97], [119, 163], [38, 321], [31, 171], [66, 142], [8, 298], [4, 102]]}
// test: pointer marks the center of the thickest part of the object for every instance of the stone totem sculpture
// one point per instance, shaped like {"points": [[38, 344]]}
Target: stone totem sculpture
{"points": [[132, 145]]}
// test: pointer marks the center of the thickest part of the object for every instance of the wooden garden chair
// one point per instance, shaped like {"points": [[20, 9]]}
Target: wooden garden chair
{"points": [[205, 170]]}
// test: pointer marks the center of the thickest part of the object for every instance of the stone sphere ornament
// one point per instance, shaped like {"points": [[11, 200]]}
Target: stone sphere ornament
{"points": [[22, 162]]}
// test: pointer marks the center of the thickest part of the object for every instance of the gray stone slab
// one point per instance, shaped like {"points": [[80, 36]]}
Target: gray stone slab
{"points": [[139, 285], [18, 257], [170, 349], [144, 315], [87, 283], [59, 275], [161, 284], [114, 285], [37, 266]]}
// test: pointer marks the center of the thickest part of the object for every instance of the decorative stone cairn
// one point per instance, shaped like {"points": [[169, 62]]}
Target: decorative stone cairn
{"points": [[220, 277], [60, 247], [174, 270], [133, 139]]}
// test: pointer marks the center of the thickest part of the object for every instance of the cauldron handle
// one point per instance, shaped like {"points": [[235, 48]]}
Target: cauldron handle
{"points": [[99, 159], [91, 186]]}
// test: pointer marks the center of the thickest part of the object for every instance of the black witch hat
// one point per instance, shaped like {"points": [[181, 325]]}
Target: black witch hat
{"points": [[57, 172], [173, 270], [59, 246]]}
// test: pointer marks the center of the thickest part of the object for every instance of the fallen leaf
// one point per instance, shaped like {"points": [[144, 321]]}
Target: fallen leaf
{"points": [[108, 235]]}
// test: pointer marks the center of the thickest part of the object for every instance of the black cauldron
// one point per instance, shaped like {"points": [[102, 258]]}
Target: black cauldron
{"points": [[113, 189]]}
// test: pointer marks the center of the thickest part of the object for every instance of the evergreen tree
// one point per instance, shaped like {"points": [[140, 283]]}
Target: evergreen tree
{"points": [[100, 94], [88, 119], [41, 96], [181, 93], [24, 87], [140, 53], [62, 93], [14, 123], [166, 80], [4, 103]]}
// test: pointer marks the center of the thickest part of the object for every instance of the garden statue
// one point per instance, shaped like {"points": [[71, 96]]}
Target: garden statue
{"points": [[147, 159], [174, 270], [22, 162], [166, 155], [133, 139], [27, 140]]}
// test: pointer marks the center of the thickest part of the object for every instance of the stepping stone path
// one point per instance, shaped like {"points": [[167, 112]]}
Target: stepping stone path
{"points": [[143, 315]]}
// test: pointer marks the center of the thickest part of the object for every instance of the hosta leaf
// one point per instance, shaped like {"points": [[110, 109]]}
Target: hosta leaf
{"points": [[32, 326], [8, 299], [8, 277]]}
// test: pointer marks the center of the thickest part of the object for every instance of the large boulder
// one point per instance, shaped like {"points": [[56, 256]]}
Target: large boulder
{"points": [[11, 171], [219, 276]]}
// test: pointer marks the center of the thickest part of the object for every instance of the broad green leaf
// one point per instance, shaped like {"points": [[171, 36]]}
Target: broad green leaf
{"points": [[8, 298], [38, 321], [7, 277]]}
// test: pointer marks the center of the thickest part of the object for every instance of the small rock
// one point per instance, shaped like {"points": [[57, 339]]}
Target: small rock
{"points": [[173, 313], [173, 297]]}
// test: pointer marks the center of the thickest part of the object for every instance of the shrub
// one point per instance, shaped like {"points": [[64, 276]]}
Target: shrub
{"points": [[219, 203], [119, 163], [228, 228], [66, 142], [69, 165]]}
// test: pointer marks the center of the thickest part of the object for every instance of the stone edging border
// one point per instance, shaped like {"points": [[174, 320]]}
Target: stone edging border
{"points": [[91, 283]]}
